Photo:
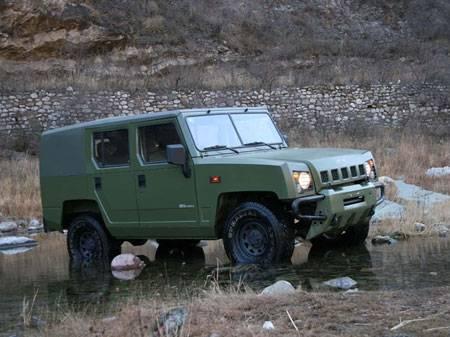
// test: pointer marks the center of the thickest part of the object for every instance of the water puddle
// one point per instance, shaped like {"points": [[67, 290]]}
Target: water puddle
{"points": [[46, 272]]}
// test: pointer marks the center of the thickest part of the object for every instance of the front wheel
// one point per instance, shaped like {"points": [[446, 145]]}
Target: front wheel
{"points": [[88, 241], [253, 234], [353, 236]]}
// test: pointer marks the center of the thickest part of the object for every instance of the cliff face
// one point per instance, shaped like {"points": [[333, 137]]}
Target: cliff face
{"points": [[221, 43]]}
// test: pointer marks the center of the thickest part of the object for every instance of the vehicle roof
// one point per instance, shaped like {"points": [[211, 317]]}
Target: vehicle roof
{"points": [[111, 121]]}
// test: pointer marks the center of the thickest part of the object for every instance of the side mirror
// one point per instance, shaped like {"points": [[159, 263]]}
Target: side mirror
{"points": [[176, 154], [286, 139]]}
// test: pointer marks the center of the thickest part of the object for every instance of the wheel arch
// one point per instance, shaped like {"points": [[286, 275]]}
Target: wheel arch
{"points": [[227, 201], [73, 208]]}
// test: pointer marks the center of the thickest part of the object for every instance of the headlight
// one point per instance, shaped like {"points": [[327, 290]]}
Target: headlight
{"points": [[302, 180], [369, 167]]}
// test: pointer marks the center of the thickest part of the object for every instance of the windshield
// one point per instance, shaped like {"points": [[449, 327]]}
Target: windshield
{"points": [[214, 132]]}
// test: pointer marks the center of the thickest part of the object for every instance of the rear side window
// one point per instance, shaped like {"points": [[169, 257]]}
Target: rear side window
{"points": [[153, 140], [111, 148]]}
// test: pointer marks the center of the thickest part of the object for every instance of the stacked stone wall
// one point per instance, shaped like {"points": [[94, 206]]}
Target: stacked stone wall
{"points": [[320, 108]]}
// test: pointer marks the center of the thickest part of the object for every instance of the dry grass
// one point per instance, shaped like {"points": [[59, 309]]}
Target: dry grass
{"points": [[243, 314], [19, 188]]}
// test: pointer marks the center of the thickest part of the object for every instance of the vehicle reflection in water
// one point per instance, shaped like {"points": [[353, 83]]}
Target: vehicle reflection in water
{"points": [[46, 270]]}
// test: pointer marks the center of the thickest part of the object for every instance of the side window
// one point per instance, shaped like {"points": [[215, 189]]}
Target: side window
{"points": [[153, 140], [111, 148]]}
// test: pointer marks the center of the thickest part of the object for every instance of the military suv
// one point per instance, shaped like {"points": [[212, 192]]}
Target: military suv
{"points": [[187, 175]]}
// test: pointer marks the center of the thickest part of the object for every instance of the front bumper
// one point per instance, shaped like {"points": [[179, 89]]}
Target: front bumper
{"points": [[339, 207]]}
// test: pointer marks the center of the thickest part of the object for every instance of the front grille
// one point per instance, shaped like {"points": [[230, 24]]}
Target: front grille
{"points": [[335, 174], [343, 175], [324, 176]]}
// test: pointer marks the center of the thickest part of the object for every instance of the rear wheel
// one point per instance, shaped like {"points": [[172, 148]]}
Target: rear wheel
{"points": [[353, 236], [254, 235], [88, 241]]}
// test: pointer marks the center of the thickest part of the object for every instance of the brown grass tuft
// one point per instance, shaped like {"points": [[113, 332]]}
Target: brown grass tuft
{"points": [[19, 188]]}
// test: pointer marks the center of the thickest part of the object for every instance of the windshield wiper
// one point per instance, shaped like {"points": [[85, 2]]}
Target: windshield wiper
{"points": [[260, 143], [220, 147]]}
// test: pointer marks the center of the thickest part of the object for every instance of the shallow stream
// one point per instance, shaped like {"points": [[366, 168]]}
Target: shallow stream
{"points": [[46, 273]]}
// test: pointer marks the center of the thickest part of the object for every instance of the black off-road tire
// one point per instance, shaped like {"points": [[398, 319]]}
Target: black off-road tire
{"points": [[89, 242], [253, 234], [353, 236]]}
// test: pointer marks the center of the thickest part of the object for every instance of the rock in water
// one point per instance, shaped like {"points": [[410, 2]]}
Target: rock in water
{"points": [[35, 225], [8, 226], [383, 239], [279, 288], [12, 242], [171, 323], [341, 283], [268, 325], [126, 262]]}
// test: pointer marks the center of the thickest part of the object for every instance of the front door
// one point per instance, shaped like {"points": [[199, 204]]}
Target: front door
{"points": [[166, 197], [113, 181]]}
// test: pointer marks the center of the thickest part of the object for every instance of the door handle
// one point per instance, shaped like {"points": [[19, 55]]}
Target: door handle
{"points": [[141, 180], [98, 183]]}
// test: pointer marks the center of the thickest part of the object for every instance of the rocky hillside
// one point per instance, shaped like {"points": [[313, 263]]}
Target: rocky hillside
{"points": [[166, 44]]}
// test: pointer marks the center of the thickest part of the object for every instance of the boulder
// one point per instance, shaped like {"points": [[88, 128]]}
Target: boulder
{"points": [[126, 262], [382, 240], [438, 171], [13, 242], [420, 196], [278, 288], [35, 225], [388, 210], [127, 275], [171, 323], [8, 226], [341, 283]]}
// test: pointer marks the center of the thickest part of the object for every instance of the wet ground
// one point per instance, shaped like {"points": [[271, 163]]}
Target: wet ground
{"points": [[46, 273]]}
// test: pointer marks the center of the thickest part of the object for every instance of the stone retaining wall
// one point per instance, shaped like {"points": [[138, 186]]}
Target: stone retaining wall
{"points": [[320, 108]]}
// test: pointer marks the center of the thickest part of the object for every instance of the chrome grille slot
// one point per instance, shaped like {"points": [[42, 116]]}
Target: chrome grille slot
{"points": [[353, 171], [344, 172], [353, 200], [335, 174], [324, 176], [362, 172]]}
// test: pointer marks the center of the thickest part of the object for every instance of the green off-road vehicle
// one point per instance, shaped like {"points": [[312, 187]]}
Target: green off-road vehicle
{"points": [[182, 176]]}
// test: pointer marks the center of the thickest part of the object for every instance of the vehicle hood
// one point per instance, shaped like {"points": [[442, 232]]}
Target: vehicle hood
{"points": [[315, 160]]}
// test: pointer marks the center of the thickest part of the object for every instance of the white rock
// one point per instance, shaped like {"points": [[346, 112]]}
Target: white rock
{"points": [[8, 226], [421, 197], [268, 325], [10, 242], [438, 171], [126, 262], [388, 210], [383, 239], [278, 288], [341, 283], [420, 227]]}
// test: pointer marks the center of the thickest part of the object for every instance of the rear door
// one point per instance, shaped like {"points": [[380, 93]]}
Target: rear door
{"points": [[166, 197], [112, 180]]}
